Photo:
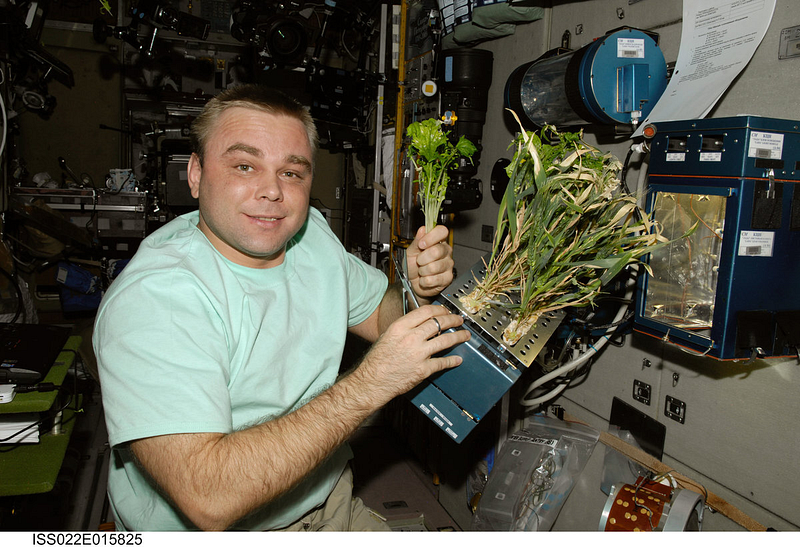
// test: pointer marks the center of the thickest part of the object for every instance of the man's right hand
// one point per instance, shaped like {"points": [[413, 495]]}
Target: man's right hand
{"points": [[405, 354]]}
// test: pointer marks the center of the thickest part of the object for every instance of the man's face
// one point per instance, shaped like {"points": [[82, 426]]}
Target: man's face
{"points": [[253, 186]]}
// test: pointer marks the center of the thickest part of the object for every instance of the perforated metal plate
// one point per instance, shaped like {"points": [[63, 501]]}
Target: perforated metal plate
{"points": [[493, 319]]}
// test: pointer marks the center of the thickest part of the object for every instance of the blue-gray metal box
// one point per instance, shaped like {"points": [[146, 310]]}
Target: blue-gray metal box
{"points": [[730, 290]]}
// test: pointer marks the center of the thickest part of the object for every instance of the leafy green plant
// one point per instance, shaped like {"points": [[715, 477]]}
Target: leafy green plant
{"points": [[565, 228], [433, 155]]}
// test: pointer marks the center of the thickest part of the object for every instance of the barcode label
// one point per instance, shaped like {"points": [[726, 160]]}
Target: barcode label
{"points": [[630, 48], [547, 442], [533, 440], [765, 145], [756, 243]]}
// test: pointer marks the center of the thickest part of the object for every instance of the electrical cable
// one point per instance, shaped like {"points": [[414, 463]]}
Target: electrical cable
{"points": [[588, 326], [624, 174], [552, 394]]}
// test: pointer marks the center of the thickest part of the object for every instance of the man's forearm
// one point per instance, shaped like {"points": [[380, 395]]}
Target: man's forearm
{"points": [[391, 307]]}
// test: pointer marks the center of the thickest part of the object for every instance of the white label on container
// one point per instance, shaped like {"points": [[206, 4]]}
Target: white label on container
{"points": [[533, 440], [544, 441], [710, 156], [756, 243], [441, 415], [765, 145], [676, 156], [630, 48]]}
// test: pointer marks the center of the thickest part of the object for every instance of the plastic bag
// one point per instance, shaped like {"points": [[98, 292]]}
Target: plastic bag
{"points": [[617, 467], [534, 474]]}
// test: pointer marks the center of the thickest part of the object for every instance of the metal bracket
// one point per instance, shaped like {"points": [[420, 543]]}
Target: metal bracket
{"points": [[642, 392], [675, 409]]}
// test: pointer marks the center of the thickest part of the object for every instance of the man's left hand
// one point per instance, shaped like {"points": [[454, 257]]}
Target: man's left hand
{"points": [[430, 263]]}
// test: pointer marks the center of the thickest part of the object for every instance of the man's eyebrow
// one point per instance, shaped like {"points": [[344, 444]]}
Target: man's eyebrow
{"points": [[253, 151], [246, 148], [299, 160]]}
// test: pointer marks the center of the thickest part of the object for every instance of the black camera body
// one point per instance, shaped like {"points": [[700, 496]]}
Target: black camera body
{"points": [[276, 29]]}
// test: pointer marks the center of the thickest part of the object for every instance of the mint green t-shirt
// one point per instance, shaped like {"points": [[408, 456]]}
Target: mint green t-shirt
{"points": [[187, 342]]}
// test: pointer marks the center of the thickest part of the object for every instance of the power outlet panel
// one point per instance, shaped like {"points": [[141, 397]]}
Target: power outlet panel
{"points": [[642, 392], [675, 409]]}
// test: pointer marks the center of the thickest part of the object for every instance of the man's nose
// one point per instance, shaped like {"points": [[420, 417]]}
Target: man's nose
{"points": [[270, 187]]}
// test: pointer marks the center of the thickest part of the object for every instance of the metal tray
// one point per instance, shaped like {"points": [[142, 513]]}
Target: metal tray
{"points": [[493, 319]]}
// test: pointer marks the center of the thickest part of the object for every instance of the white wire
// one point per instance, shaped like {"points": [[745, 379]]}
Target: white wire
{"points": [[546, 397]]}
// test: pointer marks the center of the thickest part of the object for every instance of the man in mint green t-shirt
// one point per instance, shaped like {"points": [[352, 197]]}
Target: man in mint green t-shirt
{"points": [[219, 345]]}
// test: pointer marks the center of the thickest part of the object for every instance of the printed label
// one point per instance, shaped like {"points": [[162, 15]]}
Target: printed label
{"points": [[710, 156], [630, 48], [765, 145], [676, 156], [756, 243], [441, 415], [546, 442], [534, 440]]}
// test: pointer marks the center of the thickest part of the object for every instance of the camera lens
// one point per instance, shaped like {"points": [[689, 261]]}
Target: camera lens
{"points": [[286, 40]]}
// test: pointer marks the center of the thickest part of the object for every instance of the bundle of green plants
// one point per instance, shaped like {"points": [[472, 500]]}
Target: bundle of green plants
{"points": [[565, 228], [433, 155]]}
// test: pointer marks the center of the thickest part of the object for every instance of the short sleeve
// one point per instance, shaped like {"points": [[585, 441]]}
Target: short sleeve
{"points": [[161, 329]]}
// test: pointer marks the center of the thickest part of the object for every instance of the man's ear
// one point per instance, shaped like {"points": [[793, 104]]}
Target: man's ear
{"points": [[193, 174]]}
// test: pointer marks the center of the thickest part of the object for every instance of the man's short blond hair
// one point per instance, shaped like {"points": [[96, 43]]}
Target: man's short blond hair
{"points": [[253, 96]]}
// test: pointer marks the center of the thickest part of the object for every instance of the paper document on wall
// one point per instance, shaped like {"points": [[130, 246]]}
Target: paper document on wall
{"points": [[718, 39]]}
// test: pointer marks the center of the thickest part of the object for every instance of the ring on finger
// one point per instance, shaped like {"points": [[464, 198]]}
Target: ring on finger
{"points": [[438, 326]]}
